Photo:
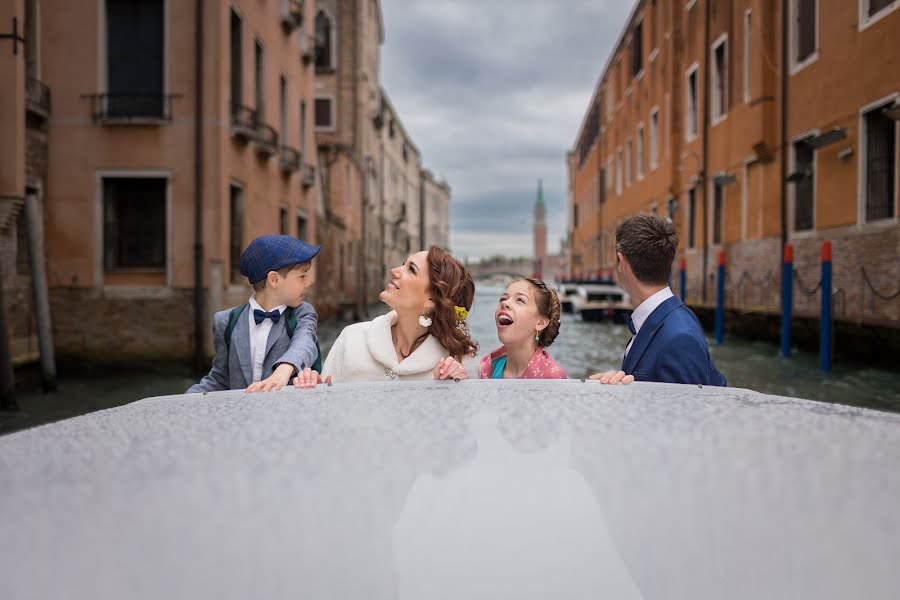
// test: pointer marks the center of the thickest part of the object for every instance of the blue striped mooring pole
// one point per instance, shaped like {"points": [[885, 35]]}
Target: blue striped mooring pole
{"points": [[720, 300], [683, 278], [825, 324], [787, 289]]}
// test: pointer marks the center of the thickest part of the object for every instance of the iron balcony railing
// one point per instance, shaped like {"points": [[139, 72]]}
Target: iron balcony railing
{"points": [[132, 108], [243, 122], [289, 160], [266, 139], [307, 47], [307, 175], [37, 97], [291, 14]]}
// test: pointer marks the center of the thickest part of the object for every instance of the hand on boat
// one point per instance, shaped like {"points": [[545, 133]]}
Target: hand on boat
{"points": [[307, 378], [613, 378], [449, 368], [279, 378]]}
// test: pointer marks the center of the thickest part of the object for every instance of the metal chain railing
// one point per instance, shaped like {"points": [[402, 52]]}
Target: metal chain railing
{"points": [[798, 283], [871, 286]]}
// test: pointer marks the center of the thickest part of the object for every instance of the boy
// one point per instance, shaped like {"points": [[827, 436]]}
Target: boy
{"points": [[274, 334], [668, 344]]}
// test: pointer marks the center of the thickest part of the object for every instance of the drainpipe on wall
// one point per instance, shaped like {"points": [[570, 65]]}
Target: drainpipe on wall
{"points": [[784, 124], [706, 111], [199, 358]]}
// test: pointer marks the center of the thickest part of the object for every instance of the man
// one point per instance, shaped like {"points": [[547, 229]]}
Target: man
{"points": [[667, 343]]}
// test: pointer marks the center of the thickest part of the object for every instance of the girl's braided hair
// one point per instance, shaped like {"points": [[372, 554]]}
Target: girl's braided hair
{"points": [[548, 306]]}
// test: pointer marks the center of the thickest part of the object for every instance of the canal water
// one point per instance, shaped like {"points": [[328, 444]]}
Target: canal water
{"points": [[581, 349]]}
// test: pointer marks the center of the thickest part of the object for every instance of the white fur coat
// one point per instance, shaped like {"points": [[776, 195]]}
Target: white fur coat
{"points": [[365, 352]]}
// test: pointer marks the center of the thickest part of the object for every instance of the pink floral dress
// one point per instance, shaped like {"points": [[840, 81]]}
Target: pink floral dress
{"points": [[541, 365]]}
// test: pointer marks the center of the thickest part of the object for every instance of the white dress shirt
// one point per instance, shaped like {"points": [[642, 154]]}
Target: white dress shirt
{"points": [[259, 335], [645, 309]]}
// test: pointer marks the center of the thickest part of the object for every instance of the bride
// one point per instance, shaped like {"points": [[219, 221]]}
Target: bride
{"points": [[424, 335]]}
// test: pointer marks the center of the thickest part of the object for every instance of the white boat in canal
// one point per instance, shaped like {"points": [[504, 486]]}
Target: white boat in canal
{"points": [[566, 293], [477, 490], [602, 302]]}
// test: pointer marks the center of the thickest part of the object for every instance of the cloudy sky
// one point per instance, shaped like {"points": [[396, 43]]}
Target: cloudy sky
{"points": [[492, 92]]}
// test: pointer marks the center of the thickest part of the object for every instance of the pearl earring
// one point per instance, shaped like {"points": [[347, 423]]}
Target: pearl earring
{"points": [[425, 321]]}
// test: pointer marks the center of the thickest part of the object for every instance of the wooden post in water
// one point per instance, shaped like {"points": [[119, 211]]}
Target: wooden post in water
{"points": [[35, 222]]}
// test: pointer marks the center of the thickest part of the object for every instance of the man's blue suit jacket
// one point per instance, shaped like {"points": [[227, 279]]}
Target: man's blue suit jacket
{"points": [[671, 348]]}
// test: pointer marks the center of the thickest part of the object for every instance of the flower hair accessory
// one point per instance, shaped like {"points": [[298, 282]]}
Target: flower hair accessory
{"points": [[461, 313]]}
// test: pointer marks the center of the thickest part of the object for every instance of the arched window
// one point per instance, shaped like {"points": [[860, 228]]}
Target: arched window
{"points": [[324, 41]]}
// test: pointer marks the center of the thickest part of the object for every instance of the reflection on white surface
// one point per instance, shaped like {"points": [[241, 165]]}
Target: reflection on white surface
{"points": [[507, 525]]}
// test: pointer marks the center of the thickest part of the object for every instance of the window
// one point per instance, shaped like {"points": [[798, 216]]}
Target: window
{"points": [[690, 116], [260, 81], [654, 138], [637, 49], [668, 125], [610, 177], [303, 128], [324, 41], [324, 113], [608, 100], [575, 215], [618, 170], [628, 149], [719, 90], [282, 97], [718, 198], [589, 134], [692, 217], [302, 233], [747, 50], [134, 223], [134, 58], [22, 265], [282, 221], [640, 152], [871, 11], [601, 187], [348, 196], [804, 32], [804, 181], [32, 40], [236, 237], [237, 61], [879, 164]]}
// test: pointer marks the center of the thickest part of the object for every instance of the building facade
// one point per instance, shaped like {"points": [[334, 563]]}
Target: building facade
{"points": [[179, 131], [402, 183], [751, 124], [435, 209], [169, 147]]}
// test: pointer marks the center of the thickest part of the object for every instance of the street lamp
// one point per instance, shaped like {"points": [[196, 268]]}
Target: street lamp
{"points": [[721, 179], [826, 139], [893, 112]]}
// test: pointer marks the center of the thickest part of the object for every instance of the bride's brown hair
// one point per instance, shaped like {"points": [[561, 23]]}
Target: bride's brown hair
{"points": [[450, 285]]}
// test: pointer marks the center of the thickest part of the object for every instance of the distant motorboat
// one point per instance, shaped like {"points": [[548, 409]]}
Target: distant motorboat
{"points": [[602, 301]]}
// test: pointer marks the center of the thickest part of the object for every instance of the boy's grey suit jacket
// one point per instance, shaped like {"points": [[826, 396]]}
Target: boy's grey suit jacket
{"points": [[233, 370]]}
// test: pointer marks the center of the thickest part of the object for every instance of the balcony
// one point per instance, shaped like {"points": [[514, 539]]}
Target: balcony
{"points": [[37, 98], [266, 140], [307, 175], [243, 123], [289, 161], [132, 109], [291, 14], [307, 48]]}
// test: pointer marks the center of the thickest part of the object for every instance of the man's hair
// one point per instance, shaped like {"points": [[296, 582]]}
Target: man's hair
{"points": [[261, 284], [649, 242]]}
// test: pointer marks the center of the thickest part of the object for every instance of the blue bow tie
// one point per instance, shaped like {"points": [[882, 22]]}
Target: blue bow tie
{"points": [[630, 324], [260, 315]]}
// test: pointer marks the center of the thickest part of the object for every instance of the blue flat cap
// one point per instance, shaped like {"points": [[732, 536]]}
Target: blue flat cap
{"points": [[272, 252]]}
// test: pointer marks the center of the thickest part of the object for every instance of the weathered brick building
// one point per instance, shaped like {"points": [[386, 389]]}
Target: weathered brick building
{"points": [[749, 134]]}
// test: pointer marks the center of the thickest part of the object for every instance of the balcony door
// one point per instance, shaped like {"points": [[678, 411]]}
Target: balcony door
{"points": [[134, 54]]}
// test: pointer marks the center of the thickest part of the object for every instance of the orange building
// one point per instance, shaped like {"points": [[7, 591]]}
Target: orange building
{"points": [[169, 146], [749, 135]]}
